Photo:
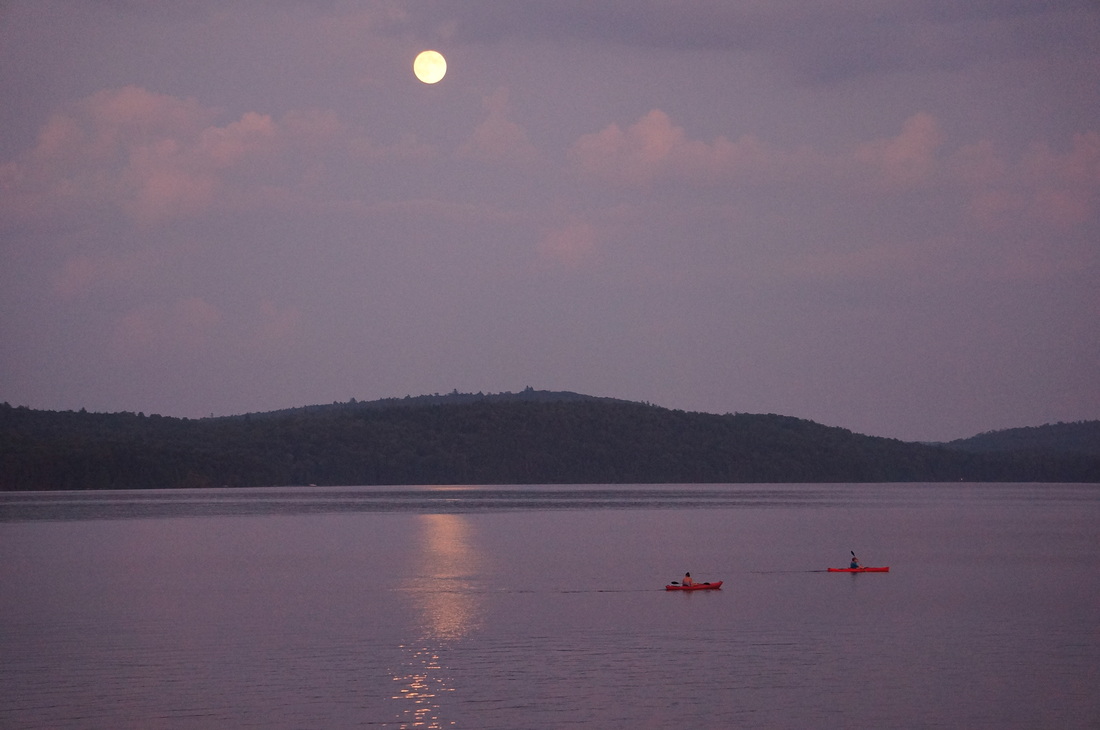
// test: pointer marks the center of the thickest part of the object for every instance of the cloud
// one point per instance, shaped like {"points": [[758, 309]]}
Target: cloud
{"points": [[83, 157], [498, 138], [190, 326], [127, 148], [252, 136], [907, 159], [157, 329], [85, 273], [821, 42], [1068, 184], [571, 246], [653, 148], [1043, 186], [113, 120], [904, 208], [635, 155], [1059, 190], [157, 158]]}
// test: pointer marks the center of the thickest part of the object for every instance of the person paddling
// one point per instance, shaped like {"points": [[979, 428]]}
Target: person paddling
{"points": [[687, 580], [855, 560]]}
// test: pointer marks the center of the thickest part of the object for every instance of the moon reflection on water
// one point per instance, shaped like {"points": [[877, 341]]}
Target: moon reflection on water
{"points": [[448, 606]]}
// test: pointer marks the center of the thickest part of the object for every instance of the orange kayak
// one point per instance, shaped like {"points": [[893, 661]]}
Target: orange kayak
{"points": [[696, 587], [860, 570]]}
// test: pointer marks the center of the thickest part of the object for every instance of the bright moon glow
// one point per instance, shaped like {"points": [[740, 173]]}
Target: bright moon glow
{"points": [[430, 66]]}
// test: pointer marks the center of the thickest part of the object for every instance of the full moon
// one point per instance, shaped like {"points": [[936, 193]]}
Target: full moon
{"points": [[430, 66]]}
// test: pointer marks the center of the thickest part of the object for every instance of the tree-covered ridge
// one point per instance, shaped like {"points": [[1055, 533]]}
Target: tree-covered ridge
{"points": [[527, 438], [528, 394], [1080, 437]]}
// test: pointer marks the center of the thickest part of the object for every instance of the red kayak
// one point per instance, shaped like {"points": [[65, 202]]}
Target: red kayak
{"points": [[860, 570], [696, 587]]}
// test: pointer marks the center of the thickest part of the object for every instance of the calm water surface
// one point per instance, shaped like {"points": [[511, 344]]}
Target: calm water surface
{"points": [[544, 607]]}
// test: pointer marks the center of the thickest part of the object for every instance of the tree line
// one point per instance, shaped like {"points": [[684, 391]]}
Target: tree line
{"points": [[532, 438]]}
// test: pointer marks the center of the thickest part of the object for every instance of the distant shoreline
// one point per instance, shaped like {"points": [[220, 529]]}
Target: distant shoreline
{"points": [[530, 437]]}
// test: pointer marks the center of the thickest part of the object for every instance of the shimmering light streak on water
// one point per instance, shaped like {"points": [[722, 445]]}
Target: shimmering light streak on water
{"points": [[421, 689], [447, 598]]}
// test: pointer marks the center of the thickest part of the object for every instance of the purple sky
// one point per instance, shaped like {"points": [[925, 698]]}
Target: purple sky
{"points": [[882, 214]]}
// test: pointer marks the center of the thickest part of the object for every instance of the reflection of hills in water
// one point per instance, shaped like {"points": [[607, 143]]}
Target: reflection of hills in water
{"points": [[442, 585]]}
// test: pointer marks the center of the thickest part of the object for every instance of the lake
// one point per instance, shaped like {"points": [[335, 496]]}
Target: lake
{"points": [[544, 607]]}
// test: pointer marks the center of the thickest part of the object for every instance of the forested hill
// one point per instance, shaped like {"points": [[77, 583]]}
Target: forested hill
{"points": [[531, 437], [1081, 437]]}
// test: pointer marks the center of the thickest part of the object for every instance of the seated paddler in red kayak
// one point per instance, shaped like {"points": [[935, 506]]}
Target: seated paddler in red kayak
{"points": [[687, 584], [855, 566]]}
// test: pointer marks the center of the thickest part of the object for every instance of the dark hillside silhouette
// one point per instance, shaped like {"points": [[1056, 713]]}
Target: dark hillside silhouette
{"points": [[1080, 437], [532, 437]]}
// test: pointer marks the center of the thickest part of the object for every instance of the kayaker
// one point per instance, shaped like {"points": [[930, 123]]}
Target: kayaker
{"points": [[855, 561], [687, 580]]}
